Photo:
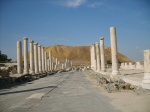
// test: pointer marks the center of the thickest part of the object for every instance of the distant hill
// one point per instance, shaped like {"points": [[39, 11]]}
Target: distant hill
{"points": [[80, 54]]}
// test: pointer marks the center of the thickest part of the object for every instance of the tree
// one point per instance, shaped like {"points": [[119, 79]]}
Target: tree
{"points": [[108, 62], [3, 58]]}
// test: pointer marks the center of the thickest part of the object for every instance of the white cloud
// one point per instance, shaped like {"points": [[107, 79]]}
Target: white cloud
{"points": [[96, 4], [74, 3]]}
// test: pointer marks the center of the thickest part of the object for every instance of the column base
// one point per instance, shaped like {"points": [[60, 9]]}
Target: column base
{"points": [[32, 72], [115, 76], [25, 73], [146, 78], [145, 86], [115, 73]]}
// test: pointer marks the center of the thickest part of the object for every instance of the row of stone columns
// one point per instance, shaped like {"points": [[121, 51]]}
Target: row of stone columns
{"points": [[38, 58], [98, 54], [98, 65], [40, 62]]}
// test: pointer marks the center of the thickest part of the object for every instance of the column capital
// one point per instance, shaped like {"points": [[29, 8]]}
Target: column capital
{"points": [[25, 38], [35, 43], [31, 41], [101, 38], [39, 45], [112, 27], [96, 43]]}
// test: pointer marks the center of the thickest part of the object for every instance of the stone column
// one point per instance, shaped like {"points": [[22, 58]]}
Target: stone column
{"points": [[126, 66], [32, 58], [114, 52], [36, 65], [71, 63], [66, 63], [40, 58], [146, 78], [98, 56], [52, 63], [94, 55], [102, 52], [122, 66], [26, 64], [62, 66], [19, 58], [43, 60], [46, 67], [92, 49], [50, 60], [56, 61]]}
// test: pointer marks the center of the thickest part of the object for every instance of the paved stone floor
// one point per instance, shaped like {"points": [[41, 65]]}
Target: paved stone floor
{"points": [[62, 92]]}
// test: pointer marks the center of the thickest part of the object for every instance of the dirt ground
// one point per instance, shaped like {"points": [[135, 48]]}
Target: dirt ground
{"points": [[137, 100]]}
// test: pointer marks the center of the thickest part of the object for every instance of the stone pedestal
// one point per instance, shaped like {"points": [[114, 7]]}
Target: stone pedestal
{"points": [[36, 65], [146, 78], [40, 58], [43, 60], [98, 57], [26, 64], [102, 52], [114, 52], [32, 58], [19, 58]]}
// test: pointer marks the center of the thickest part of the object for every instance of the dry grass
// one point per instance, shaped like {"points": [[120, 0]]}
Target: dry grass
{"points": [[80, 54]]}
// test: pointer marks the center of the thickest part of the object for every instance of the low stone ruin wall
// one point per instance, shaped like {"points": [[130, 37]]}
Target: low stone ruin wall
{"points": [[132, 66]]}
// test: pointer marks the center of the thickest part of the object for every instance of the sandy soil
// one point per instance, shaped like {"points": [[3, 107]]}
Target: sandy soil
{"points": [[137, 100]]}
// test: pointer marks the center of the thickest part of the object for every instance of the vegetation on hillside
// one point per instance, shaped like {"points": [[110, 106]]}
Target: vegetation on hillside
{"points": [[4, 58]]}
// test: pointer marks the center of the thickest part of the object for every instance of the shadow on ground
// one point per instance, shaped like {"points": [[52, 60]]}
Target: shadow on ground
{"points": [[27, 90]]}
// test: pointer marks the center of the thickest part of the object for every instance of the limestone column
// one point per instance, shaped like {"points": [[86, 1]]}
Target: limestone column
{"points": [[19, 58], [93, 57], [62, 66], [94, 53], [56, 61], [40, 58], [26, 64], [102, 52], [146, 78], [114, 51], [50, 59], [32, 58], [46, 68], [36, 65], [43, 60], [122, 66], [98, 56], [52, 63], [66, 63], [71, 64], [48, 65]]}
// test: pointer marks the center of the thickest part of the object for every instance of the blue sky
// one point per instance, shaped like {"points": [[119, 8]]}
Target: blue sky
{"points": [[76, 22]]}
